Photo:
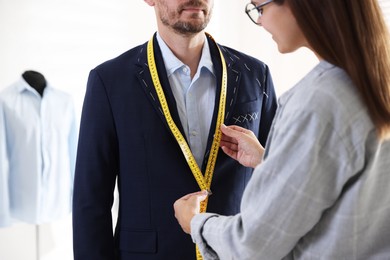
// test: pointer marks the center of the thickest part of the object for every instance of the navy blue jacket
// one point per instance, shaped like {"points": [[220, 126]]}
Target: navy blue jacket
{"points": [[124, 136]]}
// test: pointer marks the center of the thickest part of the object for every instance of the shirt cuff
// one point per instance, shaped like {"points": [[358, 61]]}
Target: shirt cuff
{"points": [[197, 224]]}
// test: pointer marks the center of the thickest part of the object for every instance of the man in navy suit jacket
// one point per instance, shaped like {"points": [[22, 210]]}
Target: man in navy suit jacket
{"points": [[125, 137]]}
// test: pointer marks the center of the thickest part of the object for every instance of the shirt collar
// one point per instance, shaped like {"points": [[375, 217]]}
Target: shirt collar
{"points": [[22, 85], [172, 63]]}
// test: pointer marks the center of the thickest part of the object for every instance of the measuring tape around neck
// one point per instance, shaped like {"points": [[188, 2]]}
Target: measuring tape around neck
{"points": [[204, 181]]}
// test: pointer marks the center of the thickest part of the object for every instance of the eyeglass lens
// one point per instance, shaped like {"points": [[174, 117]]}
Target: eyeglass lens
{"points": [[253, 12]]}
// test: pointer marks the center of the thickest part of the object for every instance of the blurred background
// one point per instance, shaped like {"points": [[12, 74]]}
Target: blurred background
{"points": [[65, 39]]}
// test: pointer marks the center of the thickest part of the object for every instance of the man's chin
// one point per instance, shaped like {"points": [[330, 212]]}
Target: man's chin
{"points": [[189, 28]]}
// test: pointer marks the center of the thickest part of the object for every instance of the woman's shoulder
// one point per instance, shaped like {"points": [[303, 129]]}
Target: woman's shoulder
{"points": [[328, 96]]}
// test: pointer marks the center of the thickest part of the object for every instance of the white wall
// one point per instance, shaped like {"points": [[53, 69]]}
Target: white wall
{"points": [[64, 39]]}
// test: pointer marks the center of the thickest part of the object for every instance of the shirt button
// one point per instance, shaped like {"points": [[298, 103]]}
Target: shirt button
{"points": [[186, 70]]}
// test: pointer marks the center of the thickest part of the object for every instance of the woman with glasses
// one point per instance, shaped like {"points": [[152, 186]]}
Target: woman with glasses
{"points": [[321, 190]]}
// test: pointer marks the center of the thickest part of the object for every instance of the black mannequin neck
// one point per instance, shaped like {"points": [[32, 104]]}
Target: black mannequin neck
{"points": [[35, 80]]}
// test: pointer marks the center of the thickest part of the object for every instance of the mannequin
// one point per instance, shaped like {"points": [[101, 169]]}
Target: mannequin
{"points": [[35, 80], [47, 125]]}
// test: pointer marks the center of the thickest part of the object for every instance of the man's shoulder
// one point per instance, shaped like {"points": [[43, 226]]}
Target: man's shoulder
{"points": [[241, 57]]}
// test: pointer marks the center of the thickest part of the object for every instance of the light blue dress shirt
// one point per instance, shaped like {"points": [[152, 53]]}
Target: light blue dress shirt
{"points": [[5, 219], [195, 98], [38, 138]]}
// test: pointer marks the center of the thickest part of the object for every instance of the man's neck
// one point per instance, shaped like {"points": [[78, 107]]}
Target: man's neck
{"points": [[188, 49]]}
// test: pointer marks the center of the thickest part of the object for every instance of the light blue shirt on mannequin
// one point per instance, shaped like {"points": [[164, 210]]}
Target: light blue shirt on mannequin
{"points": [[5, 219], [195, 98], [39, 138]]}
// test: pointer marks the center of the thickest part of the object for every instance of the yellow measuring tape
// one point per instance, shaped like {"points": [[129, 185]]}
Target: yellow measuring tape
{"points": [[204, 181]]}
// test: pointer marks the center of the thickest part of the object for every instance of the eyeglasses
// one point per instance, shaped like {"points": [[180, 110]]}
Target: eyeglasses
{"points": [[255, 12]]}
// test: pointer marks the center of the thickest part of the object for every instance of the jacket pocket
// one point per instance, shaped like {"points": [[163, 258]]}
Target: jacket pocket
{"points": [[138, 241], [246, 114]]}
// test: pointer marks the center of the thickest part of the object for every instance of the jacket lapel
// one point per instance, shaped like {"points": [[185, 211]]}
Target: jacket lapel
{"points": [[148, 86], [232, 88]]}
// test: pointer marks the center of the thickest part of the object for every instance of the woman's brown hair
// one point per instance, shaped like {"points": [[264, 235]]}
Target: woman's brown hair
{"points": [[352, 35]]}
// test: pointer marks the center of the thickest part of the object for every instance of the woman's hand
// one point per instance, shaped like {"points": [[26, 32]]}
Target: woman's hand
{"points": [[187, 207], [242, 145]]}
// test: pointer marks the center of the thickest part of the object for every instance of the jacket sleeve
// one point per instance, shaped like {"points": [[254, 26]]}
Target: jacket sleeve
{"points": [[95, 174]]}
